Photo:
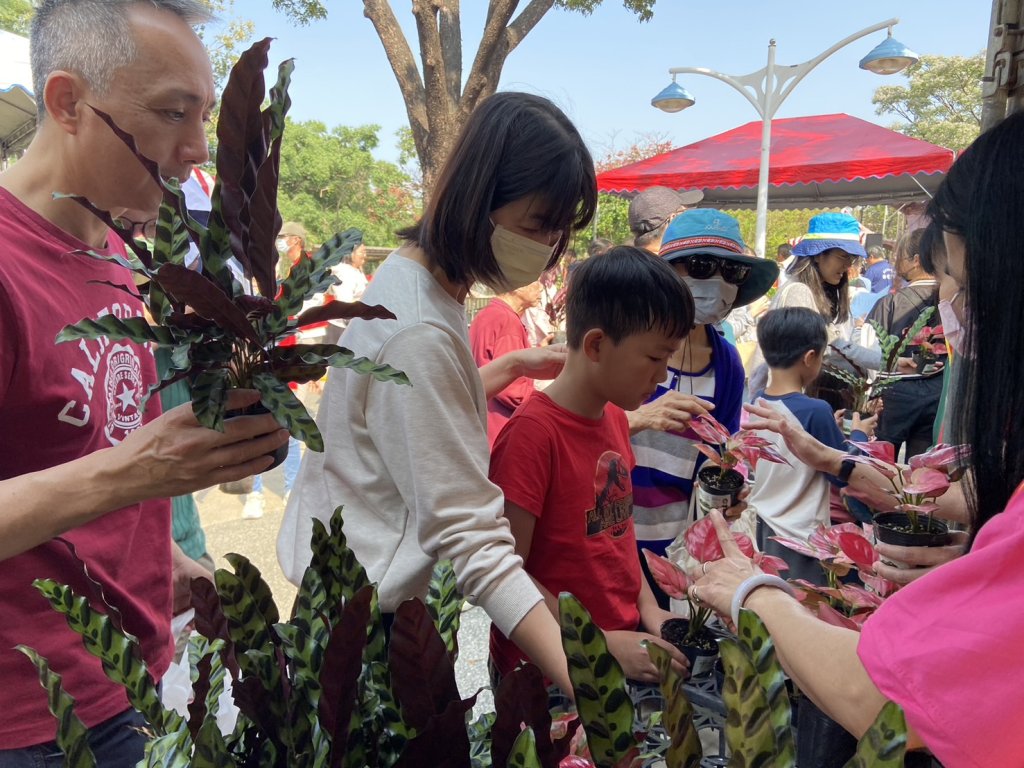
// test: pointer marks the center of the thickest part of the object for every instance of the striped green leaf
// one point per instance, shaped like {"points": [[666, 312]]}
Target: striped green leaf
{"points": [[247, 623], [885, 742], [599, 684], [334, 356], [748, 724], [120, 656], [288, 410], [252, 579], [444, 604], [172, 239], [72, 735], [114, 328], [171, 750], [524, 751], [210, 396], [753, 635], [684, 750]]}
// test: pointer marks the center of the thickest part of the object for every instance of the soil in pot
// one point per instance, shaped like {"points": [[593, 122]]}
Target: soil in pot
{"points": [[256, 409], [701, 651], [895, 528], [717, 491]]}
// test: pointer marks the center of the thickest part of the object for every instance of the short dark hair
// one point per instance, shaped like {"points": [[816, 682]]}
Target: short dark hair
{"points": [[910, 245], [784, 248], [786, 335], [932, 249], [625, 291], [513, 146]]}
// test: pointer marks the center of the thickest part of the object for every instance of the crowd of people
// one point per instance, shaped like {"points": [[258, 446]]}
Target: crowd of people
{"points": [[477, 465]]}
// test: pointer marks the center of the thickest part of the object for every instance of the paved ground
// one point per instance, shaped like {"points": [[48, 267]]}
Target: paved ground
{"points": [[226, 531]]}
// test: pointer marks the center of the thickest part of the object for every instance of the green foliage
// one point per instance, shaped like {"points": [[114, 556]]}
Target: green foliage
{"points": [[15, 16], [748, 724], [885, 743], [599, 684], [754, 637], [72, 737], [444, 604], [685, 749], [941, 101], [524, 751], [330, 181]]}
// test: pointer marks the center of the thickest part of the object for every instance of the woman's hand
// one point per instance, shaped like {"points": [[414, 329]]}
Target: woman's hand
{"points": [[805, 447], [626, 647], [540, 362], [671, 411], [721, 578], [921, 560]]}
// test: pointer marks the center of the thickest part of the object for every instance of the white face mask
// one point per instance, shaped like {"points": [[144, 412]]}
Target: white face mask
{"points": [[712, 298], [281, 244], [521, 259]]}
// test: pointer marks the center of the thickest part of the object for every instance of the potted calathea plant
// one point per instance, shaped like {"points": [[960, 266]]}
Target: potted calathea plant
{"points": [[222, 334], [929, 344], [914, 489], [719, 482]]}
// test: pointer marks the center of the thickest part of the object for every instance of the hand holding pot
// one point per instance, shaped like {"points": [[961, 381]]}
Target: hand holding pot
{"points": [[673, 410], [174, 454], [921, 560], [626, 647]]}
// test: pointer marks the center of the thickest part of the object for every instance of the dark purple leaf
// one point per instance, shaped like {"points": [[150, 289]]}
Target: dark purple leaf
{"points": [[522, 698], [126, 236], [203, 295], [339, 675], [118, 286], [265, 223], [97, 592], [150, 165], [343, 310], [255, 307], [210, 621], [421, 669], [201, 687], [443, 743]]}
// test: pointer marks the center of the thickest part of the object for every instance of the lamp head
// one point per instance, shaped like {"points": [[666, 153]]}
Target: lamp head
{"points": [[673, 98], [888, 57]]}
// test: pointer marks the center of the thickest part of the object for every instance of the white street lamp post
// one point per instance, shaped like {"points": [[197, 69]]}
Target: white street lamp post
{"points": [[768, 87]]}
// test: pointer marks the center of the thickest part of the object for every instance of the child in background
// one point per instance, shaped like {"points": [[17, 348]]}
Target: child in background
{"points": [[793, 500], [564, 458]]}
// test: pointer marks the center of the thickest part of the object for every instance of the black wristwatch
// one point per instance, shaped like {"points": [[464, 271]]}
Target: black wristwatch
{"points": [[846, 469]]}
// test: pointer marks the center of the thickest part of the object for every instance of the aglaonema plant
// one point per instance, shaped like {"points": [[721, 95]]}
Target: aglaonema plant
{"points": [[222, 334]]}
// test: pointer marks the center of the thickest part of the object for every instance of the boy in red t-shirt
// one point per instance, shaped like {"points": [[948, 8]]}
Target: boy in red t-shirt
{"points": [[564, 458]]}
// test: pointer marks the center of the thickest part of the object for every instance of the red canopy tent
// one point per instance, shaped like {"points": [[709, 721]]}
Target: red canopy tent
{"points": [[820, 161]]}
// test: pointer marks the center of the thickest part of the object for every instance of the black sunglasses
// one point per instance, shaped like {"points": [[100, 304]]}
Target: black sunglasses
{"points": [[701, 266]]}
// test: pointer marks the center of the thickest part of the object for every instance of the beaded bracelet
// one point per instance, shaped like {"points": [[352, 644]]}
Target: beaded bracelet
{"points": [[749, 585]]}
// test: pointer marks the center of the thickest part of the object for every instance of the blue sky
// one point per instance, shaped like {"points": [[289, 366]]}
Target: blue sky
{"points": [[604, 69]]}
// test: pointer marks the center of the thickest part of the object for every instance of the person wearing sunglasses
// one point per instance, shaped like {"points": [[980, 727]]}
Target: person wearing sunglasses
{"points": [[705, 375]]}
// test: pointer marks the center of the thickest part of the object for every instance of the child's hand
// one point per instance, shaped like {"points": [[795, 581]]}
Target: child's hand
{"points": [[865, 425], [634, 659], [671, 411], [838, 415]]}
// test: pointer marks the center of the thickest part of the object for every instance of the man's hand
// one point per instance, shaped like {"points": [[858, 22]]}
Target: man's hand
{"points": [[183, 570], [634, 659], [671, 411], [921, 560], [174, 454]]}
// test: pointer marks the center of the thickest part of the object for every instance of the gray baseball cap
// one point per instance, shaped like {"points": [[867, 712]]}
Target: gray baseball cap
{"points": [[655, 205]]}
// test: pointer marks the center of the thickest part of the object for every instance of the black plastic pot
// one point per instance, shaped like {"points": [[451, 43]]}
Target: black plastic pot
{"points": [[718, 491], [257, 409], [821, 742], [894, 528], [923, 359], [701, 653]]}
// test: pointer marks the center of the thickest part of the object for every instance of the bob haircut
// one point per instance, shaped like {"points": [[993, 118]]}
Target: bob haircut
{"points": [[514, 145], [980, 201], [625, 291], [786, 335]]}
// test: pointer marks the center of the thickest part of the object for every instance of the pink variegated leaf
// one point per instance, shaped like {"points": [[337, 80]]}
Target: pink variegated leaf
{"points": [[711, 453], [709, 430], [858, 549], [768, 453], [702, 544], [889, 470], [744, 543], [878, 585], [770, 564], [924, 508], [860, 618], [830, 615], [878, 449], [575, 761], [800, 546], [669, 576], [927, 482], [824, 540], [858, 597]]}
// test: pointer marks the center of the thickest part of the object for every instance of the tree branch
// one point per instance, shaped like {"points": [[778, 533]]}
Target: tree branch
{"points": [[482, 78], [404, 66], [525, 22], [451, 47]]}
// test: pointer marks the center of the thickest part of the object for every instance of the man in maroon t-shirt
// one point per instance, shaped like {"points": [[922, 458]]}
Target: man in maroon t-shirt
{"points": [[79, 458]]}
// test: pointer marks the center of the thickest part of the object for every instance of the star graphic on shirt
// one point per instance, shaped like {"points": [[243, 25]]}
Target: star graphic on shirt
{"points": [[127, 398]]}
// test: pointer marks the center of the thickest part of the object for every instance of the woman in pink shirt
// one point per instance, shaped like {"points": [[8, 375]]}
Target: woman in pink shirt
{"points": [[948, 648]]}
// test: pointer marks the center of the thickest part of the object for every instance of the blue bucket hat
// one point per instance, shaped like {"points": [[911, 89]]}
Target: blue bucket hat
{"points": [[831, 230], [706, 230]]}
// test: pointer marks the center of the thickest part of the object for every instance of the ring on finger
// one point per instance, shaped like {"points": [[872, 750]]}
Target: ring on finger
{"points": [[693, 594], [704, 568]]}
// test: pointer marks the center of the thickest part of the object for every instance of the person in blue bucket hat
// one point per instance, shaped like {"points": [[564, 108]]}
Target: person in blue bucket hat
{"points": [[705, 375]]}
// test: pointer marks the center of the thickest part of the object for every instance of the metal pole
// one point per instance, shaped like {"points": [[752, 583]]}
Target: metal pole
{"points": [[761, 231]]}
